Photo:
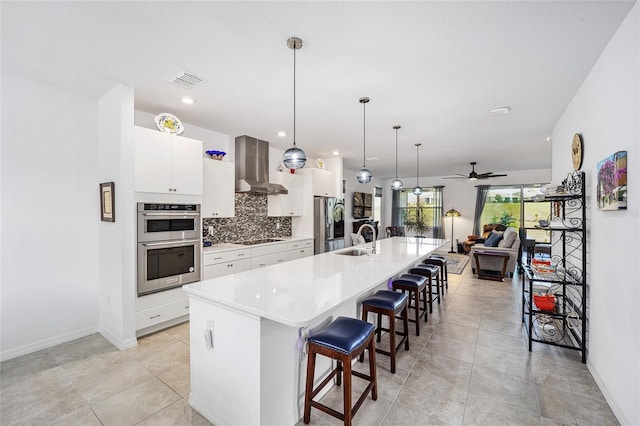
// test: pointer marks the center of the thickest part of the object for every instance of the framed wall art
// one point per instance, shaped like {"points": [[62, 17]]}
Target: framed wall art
{"points": [[107, 202], [612, 182]]}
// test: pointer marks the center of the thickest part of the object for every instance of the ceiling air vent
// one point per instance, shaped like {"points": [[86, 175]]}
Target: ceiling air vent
{"points": [[186, 79]]}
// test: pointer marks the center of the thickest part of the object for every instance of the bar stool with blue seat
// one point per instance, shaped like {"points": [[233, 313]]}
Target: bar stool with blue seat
{"points": [[432, 273], [343, 340], [414, 285], [440, 261], [389, 303]]}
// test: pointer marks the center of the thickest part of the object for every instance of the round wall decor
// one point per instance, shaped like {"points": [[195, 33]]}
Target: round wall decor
{"points": [[576, 151]]}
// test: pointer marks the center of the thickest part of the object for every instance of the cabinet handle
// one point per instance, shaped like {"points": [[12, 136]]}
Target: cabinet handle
{"points": [[230, 265], [262, 264], [186, 307], [281, 260], [155, 316], [241, 254], [217, 258], [170, 189]]}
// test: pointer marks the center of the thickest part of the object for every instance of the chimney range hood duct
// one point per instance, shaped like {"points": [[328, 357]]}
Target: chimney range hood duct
{"points": [[252, 167]]}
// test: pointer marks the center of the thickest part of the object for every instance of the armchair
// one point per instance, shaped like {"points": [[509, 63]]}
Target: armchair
{"points": [[506, 241]]}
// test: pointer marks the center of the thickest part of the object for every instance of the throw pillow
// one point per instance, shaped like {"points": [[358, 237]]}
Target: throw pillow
{"points": [[493, 240], [509, 237]]}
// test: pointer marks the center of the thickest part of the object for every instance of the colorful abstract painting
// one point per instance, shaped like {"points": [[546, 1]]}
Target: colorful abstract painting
{"points": [[612, 182]]}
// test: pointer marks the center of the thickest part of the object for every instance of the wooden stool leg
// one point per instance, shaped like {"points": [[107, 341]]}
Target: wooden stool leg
{"points": [[379, 331], [405, 321], [365, 314], [372, 370], [424, 300], [392, 339], [348, 415], [311, 365]]}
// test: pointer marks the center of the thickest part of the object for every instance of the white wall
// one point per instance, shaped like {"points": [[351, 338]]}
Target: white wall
{"points": [[117, 240], [606, 111], [461, 195], [50, 216]]}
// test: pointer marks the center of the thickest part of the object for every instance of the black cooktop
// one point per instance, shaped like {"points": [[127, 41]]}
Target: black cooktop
{"points": [[254, 242]]}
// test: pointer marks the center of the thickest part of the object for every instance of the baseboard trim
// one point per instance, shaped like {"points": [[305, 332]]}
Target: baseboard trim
{"points": [[46, 343], [607, 395], [120, 344]]}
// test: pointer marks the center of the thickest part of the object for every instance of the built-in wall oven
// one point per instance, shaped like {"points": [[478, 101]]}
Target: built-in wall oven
{"points": [[168, 246]]}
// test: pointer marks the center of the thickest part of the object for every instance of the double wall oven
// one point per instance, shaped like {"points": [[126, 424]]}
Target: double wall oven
{"points": [[168, 246]]}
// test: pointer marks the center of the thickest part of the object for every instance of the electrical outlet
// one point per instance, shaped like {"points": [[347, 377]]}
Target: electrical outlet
{"points": [[210, 230], [277, 225]]}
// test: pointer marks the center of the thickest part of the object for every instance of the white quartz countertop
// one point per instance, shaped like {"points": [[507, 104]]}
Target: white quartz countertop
{"points": [[235, 246], [298, 292]]}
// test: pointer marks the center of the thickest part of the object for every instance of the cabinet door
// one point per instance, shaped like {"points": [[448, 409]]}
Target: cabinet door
{"points": [[186, 170], [268, 259], [324, 183], [286, 204], [299, 253], [152, 161], [218, 188], [221, 269]]}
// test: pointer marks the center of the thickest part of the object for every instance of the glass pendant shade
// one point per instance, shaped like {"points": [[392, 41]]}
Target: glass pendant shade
{"points": [[396, 184], [417, 190], [364, 175], [294, 158]]}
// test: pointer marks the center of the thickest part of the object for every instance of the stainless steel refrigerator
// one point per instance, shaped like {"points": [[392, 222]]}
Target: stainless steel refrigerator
{"points": [[328, 228]]}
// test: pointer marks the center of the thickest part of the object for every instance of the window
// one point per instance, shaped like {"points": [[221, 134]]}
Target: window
{"points": [[504, 205], [377, 204], [427, 206]]}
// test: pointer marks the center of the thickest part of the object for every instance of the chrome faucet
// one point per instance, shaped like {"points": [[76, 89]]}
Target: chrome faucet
{"points": [[373, 240]]}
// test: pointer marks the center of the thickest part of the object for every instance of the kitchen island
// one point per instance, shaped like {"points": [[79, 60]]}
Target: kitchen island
{"points": [[252, 369]]}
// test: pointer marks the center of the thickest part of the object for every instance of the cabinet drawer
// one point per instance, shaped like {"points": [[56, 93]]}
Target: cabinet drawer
{"points": [[268, 259], [153, 316], [299, 253], [221, 269], [294, 245], [225, 256], [268, 249]]}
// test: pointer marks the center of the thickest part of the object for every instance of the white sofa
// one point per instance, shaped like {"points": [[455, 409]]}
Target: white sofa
{"points": [[509, 243]]}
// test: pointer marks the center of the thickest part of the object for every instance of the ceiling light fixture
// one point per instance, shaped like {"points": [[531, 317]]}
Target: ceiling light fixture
{"points": [[294, 157], [187, 100], [417, 190], [549, 138], [364, 174], [336, 152], [282, 133], [500, 111], [396, 184]]}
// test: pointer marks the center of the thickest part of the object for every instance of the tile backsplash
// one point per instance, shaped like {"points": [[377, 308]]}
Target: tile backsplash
{"points": [[250, 223]]}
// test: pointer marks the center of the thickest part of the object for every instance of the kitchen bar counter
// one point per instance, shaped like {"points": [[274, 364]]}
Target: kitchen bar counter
{"points": [[235, 246], [254, 374]]}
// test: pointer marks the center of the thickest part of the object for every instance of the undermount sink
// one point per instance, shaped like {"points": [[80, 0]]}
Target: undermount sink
{"points": [[355, 252]]}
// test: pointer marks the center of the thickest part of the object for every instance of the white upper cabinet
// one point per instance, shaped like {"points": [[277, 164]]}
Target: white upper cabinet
{"points": [[219, 188], [285, 204], [324, 183], [166, 163]]}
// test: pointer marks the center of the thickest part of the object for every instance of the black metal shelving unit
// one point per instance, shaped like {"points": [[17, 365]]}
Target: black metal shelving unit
{"points": [[565, 277]]}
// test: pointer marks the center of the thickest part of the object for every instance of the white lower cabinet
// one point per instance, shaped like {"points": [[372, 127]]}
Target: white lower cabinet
{"points": [[159, 307], [299, 249], [227, 268], [268, 259]]}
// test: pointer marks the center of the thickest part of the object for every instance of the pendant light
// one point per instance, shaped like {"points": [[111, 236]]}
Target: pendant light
{"points": [[294, 157], [396, 184], [417, 189], [364, 174]]}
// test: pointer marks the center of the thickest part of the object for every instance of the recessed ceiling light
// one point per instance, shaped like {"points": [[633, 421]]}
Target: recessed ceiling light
{"points": [[187, 100], [548, 138], [500, 111], [282, 133], [336, 152], [373, 159]]}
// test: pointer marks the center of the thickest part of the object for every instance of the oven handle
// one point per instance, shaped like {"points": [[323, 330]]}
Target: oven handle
{"points": [[171, 214], [169, 243]]}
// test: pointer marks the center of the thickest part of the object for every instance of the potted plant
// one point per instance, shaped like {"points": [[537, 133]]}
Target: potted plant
{"points": [[417, 219]]}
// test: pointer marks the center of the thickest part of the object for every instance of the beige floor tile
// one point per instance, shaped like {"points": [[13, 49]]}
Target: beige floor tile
{"points": [[452, 348], [16, 369], [83, 416], [501, 327], [148, 344], [503, 362], [562, 406], [81, 348], [501, 342], [177, 414], [178, 379], [486, 381], [164, 357], [400, 415], [135, 404], [39, 399], [572, 380], [459, 332], [486, 409], [180, 332], [462, 318]]}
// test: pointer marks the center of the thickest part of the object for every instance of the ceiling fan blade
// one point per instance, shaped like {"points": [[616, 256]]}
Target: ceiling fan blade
{"points": [[488, 175], [455, 177]]}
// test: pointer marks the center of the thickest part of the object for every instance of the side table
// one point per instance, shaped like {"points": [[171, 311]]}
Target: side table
{"points": [[491, 265]]}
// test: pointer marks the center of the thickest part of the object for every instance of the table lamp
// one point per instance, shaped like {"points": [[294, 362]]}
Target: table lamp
{"points": [[452, 213]]}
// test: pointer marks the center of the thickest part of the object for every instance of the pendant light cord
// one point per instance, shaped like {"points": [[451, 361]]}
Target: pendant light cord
{"points": [[417, 165], [396, 153], [364, 134], [294, 93]]}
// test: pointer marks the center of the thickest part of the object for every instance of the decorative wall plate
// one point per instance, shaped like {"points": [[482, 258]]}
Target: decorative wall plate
{"points": [[320, 164], [169, 123], [576, 151]]}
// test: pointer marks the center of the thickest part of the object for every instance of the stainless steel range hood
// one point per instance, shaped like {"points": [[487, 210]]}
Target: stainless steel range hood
{"points": [[252, 167]]}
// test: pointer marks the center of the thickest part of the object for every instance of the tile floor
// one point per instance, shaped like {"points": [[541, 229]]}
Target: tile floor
{"points": [[470, 365]]}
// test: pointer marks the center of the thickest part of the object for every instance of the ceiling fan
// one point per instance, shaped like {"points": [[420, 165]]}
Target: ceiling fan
{"points": [[474, 175]]}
